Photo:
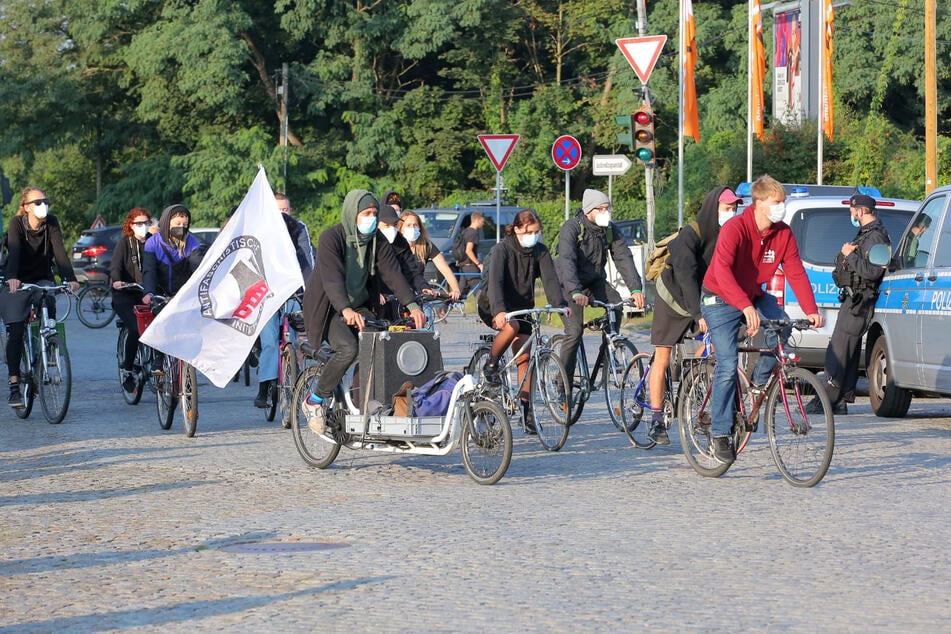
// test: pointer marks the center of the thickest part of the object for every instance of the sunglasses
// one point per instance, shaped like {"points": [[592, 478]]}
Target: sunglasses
{"points": [[144, 223], [39, 201]]}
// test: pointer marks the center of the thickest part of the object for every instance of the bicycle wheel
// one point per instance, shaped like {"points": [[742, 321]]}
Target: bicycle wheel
{"points": [[694, 421], [801, 443], [166, 399], [56, 381], [135, 396], [64, 306], [549, 400], [477, 362], [94, 306], [27, 386], [189, 398], [580, 390], [486, 442], [317, 450], [635, 401], [290, 369], [620, 352]]}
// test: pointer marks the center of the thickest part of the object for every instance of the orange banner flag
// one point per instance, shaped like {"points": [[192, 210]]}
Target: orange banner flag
{"points": [[827, 123], [691, 112], [758, 68]]}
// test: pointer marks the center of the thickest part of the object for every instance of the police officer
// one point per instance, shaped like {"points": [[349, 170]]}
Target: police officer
{"points": [[858, 280]]}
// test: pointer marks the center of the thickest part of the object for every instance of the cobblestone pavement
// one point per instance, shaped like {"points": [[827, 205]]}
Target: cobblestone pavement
{"points": [[110, 523]]}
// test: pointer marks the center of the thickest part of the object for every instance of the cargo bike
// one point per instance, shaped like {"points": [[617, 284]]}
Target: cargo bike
{"points": [[360, 414]]}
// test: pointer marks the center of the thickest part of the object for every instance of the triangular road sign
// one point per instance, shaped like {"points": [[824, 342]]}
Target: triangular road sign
{"points": [[642, 53], [499, 147], [98, 223]]}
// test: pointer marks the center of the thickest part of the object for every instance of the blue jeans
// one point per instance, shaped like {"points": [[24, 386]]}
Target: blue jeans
{"points": [[724, 322], [270, 336]]}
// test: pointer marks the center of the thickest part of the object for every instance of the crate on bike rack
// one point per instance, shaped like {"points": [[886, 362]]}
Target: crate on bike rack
{"points": [[401, 426]]}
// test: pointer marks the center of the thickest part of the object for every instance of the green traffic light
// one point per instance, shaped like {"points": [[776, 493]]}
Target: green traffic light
{"points": [[644, 155]]}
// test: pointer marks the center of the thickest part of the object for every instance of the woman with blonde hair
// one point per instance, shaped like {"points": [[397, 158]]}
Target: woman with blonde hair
{"points": [[425, 251]]}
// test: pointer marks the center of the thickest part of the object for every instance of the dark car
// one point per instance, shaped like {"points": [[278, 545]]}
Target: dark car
{"points": [[634, 231], [92, 253]]}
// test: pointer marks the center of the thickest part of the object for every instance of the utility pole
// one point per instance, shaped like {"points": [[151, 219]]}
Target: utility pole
{"points": [[931, 107], [283, 92]]}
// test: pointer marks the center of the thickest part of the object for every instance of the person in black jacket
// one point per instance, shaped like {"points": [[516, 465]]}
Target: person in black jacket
{"points": [[858, 280], [352, 258], [410, 266], [514, 265], [584, 243], [126, 268], [34, 242], [677, 308]]}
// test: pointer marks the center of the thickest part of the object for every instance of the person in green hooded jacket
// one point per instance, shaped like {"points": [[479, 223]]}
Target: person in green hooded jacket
{"points": [[352, 259]]}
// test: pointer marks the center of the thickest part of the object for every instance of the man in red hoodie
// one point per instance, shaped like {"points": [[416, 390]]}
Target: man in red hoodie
{"points": [[749, 249]]}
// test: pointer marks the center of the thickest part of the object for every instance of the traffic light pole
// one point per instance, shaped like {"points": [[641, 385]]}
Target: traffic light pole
{"points": [[649, 166]]}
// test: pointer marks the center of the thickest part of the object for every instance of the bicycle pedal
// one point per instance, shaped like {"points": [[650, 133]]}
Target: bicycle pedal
{"points": [[158, 373]]}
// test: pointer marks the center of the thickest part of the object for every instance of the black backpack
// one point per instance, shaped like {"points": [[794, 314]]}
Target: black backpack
{"points": [[459, 248]]}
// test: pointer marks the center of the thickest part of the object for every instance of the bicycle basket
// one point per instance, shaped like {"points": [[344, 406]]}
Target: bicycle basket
{"points": [[296, 320], [144, 316]]}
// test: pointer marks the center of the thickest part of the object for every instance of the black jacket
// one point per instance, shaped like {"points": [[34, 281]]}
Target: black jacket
{"points": [[583, 253], [512, 272], [32, 253], [410, 266], [860, 273]]}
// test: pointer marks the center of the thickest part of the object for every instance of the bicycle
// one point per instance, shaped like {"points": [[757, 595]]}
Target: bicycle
{"points": [[44, 367], [289, 362], [94, 305], [458, 305], [801, 443], [478, 426], [142, 365], [549, 389], [614, 355], [176, 382]]}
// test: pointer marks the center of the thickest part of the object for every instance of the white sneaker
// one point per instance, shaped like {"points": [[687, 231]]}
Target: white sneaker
{"points": [[314, 413]]}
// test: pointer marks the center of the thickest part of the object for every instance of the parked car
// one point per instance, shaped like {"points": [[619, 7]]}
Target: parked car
{"points": [[205, 235], [635, 231], [92, 253], [907, 345]]}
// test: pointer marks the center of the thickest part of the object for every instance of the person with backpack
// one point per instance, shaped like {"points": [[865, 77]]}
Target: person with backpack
{"points": [[514, 265], [34, 243], [466, 252], [352, 259], [677, 307], [584, 243]]}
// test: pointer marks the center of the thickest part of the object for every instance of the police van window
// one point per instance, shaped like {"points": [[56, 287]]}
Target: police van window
{"points": [[942, 256], [820, 234], [918, 242]]}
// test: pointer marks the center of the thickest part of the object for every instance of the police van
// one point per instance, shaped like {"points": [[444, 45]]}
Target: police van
{"points": [[909, 348], [819, 218]]}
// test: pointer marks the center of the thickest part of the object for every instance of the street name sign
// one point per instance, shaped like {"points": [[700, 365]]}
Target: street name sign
{"points": [[610, 164]]}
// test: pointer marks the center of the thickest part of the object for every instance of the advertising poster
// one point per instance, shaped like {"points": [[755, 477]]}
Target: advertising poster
{"points": [[787, 68]]}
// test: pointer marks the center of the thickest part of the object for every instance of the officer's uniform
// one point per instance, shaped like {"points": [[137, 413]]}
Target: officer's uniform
{"points": [[859, 280]]}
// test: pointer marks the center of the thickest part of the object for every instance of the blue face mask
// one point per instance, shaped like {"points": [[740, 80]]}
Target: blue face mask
{"points": [[366, 225], [528, 240], [855, 222]]}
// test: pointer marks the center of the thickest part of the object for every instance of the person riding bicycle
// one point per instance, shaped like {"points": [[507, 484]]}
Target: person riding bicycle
{"points": [[270, 333], [352, 259], [34, 242], [126, 268], [410, 267], [584, 243], [514, 265], [171, 255], [677, 306], [411, 227], [748, 251]]}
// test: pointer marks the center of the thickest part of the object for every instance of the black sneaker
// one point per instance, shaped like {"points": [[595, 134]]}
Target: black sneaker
{"points": [[264, 391], [128, 381], [529, 417], [490, 372], [658, 433], [16, 399], [723, 450]]}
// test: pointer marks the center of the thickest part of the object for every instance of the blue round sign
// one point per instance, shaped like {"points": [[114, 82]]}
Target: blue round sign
{"points": [[566, 152]]}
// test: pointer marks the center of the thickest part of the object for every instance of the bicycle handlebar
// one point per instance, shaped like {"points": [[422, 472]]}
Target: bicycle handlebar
{"points": [[536, 311], [25, 286], [779, 324], [608, 306], [129, 285]]}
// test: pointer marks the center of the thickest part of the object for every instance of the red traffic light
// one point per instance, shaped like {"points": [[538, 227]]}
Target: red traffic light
{"points": [[643, 117], [644, 135]]}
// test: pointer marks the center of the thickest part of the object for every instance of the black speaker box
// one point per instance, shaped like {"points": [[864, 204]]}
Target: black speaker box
{"points": [[395, 358]]}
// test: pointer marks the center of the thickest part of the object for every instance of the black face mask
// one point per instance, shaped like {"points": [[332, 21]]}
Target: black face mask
{"points": [[178, 233]]}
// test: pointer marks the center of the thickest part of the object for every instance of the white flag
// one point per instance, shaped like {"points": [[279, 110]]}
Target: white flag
{"points": [[247, 274]]}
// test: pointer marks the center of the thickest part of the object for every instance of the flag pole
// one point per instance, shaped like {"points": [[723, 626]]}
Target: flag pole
{"points": [[820, 145], [680, 126], [749, 95]]}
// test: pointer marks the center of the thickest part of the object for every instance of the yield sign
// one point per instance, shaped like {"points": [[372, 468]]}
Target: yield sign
{"points": [[499, 147], [642, 53]]}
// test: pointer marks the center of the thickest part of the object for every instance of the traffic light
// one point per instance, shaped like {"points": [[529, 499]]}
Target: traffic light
{"points": [[626, 122], [644, 135]]}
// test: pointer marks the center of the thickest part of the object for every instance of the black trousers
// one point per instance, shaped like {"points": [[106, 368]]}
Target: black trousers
{"points": [[845, 348]]}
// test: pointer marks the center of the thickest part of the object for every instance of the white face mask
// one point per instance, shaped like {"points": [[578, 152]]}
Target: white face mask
{"points": [[723, 216], [528, 240], [777, 212], [366, 225], [389, 232], [603, 219], [140, 231], [40, 211], [411, 234]]}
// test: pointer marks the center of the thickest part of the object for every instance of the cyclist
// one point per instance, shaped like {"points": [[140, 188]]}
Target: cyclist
{"points": [[34, 242], [126, 268], [171, 255], [412, 229], [351, 261], [514, 265], [748, 251], [410, 267], [677, 307], [584, 243], [271, 331]]}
